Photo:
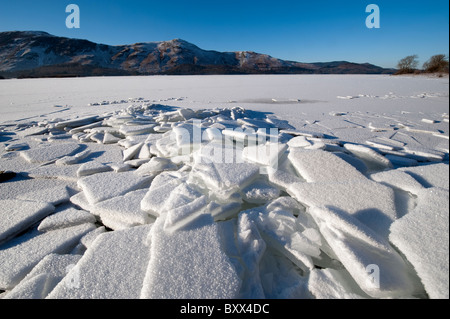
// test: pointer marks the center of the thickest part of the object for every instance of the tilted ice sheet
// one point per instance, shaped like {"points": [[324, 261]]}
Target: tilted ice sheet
{"points": [[322, 166], [265, 154], [223, 179], [399, 179], [160, 190], [432, 175], [278, 229], [66, 173], [184, 205], [112, 268], [377, 268], [92, 167], [66, 218], [20, 255], [52, 195], [201, 269], [44, 277], [251, 248], [125, 208], [18, 215], [330, 284], [422, 236], [371, 203], [50, 153], [369, 155], [103, 186]]}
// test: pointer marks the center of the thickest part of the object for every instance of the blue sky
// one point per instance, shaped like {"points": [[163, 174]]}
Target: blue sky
{"points": [[305, 31]]}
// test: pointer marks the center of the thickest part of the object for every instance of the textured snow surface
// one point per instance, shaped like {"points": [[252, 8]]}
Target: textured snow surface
{"points": [[339, 193]]}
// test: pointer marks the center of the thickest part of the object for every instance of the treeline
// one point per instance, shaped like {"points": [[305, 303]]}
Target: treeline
{"points": [[436, 64]]}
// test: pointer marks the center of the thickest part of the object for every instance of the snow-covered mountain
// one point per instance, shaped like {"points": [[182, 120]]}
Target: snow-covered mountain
{"points": [[37, 53]]}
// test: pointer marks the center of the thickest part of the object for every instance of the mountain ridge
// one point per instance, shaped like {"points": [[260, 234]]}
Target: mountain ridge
{"points": [[40, 54]]}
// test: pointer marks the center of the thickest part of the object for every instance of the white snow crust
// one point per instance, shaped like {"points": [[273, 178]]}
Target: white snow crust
{"points": [[286, 191]]}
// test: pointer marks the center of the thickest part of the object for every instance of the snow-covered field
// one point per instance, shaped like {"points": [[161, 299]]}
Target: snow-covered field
{"points": [[192, 187]]}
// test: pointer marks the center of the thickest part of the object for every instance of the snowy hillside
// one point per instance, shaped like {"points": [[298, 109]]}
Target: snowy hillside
{"points": [[224, 187], [39, 54]]}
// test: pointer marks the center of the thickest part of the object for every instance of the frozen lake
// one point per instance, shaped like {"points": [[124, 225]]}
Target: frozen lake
{"points": [[274, 186], [32, 98]]}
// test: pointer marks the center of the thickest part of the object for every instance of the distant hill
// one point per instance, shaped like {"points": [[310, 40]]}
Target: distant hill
{"points": [[39, 54]]}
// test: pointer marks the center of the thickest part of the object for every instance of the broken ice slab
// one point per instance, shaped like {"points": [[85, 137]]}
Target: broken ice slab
{"points": [[66, 218], [109, 138], [222, 212], [17, 147], [132, 151], [401, 160], [34, 130], [425, 153], [20, 255], [125, 209], [222, 179], [243, 136], [85, 127], [137, 162], [282, 179], [77, 122], [368, 154], [399, 179], [187, 212], [202, 267], [303, 133], [103, 186], [381, 145], [268, 154], [219, 152], [92, 167], [279, 231], [44, 277], [322, 166], [422, 236], [50, 153], [377, 268], [144, 152], [279, 123], [370, 202], [70, 160], [188, 136], [113, 267], [260, 192], [155, 166], [432, 175], [252, 248], [18, 215], [332, 284], [51, 195], [162, 128], [298, 141], [64, 173], [160, 190], [96, 137], [186, 113], [286, 203], [254, 123], [136, 129], [165, 146]]}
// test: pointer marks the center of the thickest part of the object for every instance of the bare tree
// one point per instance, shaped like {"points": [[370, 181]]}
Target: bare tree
{"points": [[408, 64], [437, 63]]}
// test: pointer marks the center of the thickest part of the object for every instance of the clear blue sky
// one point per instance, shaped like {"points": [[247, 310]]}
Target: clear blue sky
{"points": [[305, 31]]}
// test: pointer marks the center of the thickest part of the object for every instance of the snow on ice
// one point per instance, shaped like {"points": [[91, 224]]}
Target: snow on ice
{"points": [[179, 201]]}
